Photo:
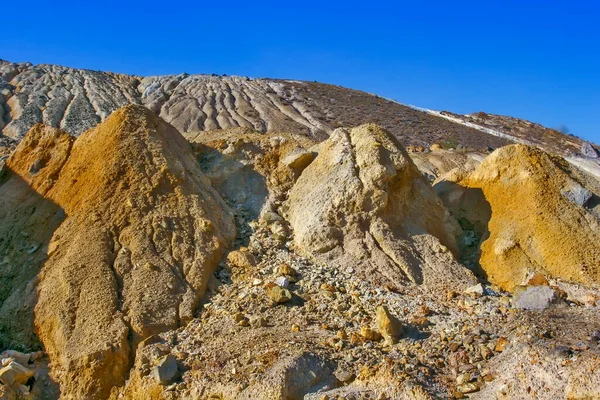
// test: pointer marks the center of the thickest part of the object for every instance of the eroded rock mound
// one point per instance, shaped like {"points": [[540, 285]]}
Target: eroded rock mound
{"points": [[142, 232], [534, 212], [362, 202]]}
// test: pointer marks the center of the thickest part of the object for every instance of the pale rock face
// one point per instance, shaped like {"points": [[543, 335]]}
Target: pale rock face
{"points": [[363, 202]]}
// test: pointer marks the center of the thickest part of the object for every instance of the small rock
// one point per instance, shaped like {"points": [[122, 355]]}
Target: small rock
{"points": [[370, 334], [166, 369], [327, 287], [587, 150], [257, 282], [298, 159], [241, 259], [538, 280], [344, 375], [15, 372], [463, 378], [278, 294], [537, 298], [258, 322], [240, 319], [501, 344], [476, 290], [486, 352], [19, 357], [269, 217], [388, 325], [577, 194], [282, 281], [468, 388], [285, 269]]}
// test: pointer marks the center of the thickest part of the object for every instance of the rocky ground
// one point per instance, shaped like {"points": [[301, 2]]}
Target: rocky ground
{"points": [[320, 336]]}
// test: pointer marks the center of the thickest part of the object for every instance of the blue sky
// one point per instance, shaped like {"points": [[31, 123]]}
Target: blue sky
{"points": [[538, 60]]}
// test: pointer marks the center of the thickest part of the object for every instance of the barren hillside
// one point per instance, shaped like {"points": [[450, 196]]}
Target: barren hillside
{"points": [[76, 100]]}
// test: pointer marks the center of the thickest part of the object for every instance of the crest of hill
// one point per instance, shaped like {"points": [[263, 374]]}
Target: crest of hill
{"points": [[75, 100]]}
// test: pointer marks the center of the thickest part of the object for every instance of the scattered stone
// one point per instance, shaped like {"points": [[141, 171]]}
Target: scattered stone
{"points": [[486, 352], [19, 357], [241, 320], [241, 259], [15, 372], [463, 378], [344, 375], [538, 280], [269, 217], [166, 369], [388, 325], [468, 388], [327, 287], [299, 159], [537, 298], [587, 150], [278, 294], [476, 290], [286, 270], [500, 344], [370, 334], [282, 281], [258, 322]]}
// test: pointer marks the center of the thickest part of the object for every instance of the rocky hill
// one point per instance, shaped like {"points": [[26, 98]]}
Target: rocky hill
{"points": [[75, 100]]}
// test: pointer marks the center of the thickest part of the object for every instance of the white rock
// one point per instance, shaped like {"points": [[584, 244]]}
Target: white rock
{"points": [[476, 289], [282, 281]]}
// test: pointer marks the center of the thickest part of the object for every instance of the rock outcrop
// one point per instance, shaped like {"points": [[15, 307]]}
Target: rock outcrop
{"points": [[131, 230], [533, 212], [363, 203]]}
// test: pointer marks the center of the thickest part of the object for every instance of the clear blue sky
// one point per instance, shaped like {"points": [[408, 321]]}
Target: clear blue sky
{"points": [[538, 60]]}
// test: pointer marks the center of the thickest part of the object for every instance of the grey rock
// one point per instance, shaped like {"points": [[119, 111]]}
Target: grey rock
{"points": [[166, 370], [577, 194], [588, 150], [537, 298]]}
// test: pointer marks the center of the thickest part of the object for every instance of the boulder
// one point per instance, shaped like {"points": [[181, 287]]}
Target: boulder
{"points": [[588, 150], [15, 373], [242, 259], [532, 213], [536, 298], [165, 370], [362, 202]]}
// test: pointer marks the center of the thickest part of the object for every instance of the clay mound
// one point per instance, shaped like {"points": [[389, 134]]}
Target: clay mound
{"points": [[142, 232], [534, 212], [363, 203]]}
